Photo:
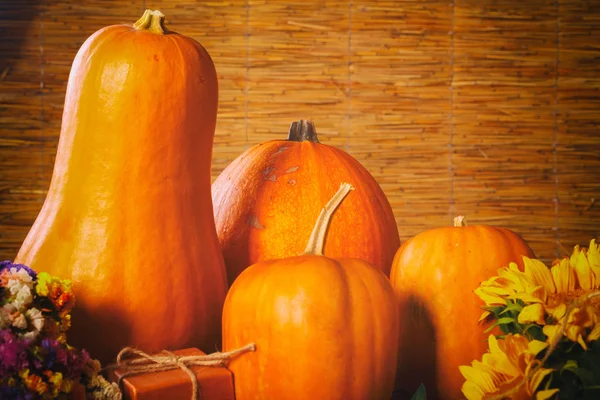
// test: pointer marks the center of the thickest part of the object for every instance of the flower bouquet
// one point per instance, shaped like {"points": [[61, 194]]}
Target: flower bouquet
{"points": [[36, 362], [550, 320]]}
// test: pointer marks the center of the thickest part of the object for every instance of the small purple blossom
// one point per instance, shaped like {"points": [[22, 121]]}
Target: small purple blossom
{"points": [[77, 359], [57, 356], [8, 265], [14, 392], [13, 353], [49, 349]]}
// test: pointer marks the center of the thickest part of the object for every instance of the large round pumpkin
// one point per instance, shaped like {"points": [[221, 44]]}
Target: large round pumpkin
{"points": [[264, 204], [128, 216], [434, 275], [324, 328]]}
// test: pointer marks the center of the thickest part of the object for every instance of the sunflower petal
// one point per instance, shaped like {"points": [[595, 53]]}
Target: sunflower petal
{"points": [[497, 290], [493, 345], [504, 354], [594, 334], [478, 377], [594, 253], [582, 342], [575, 334], [489, 299], [583, 270], [514, 387], [539, 273], [484, 315], [574, 256], [532, 313], [564, 276], [582, 316], [545, 394], [536, 346], [527, 297], [593, 256], [513, 277], [538, 377], [492, 281], [557, 312], [551, 331], [472, 391]]}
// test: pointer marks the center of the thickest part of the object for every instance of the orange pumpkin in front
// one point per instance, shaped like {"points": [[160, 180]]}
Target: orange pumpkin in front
{"points": [[324, 328]]}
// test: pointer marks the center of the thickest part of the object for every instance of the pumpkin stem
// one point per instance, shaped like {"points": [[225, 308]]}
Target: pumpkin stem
{"points": [[303, 130], [153, 21], [316, 241], [460, 221]]}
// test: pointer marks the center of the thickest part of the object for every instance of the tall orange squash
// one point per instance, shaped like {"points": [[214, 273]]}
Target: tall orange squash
{"points": [[128, 216], [434, 275], [264, 204]]}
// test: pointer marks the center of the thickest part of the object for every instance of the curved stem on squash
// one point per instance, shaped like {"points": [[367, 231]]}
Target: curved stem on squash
{"points": [[303, 131], [152, 21], [460, 221], [316, 241]]}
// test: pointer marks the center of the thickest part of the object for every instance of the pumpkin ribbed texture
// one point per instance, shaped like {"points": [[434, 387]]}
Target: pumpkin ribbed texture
{"points": [[434, 275], [264, 204], [324, 328]]}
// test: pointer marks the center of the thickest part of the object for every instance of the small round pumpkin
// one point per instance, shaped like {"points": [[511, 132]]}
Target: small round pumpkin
{"points": [[264, 204], [128, 215], [324, 328], [434, 275]]}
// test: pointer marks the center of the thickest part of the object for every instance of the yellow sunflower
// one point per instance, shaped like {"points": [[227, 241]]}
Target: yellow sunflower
{"points": [[508, 370], [548, 292]]}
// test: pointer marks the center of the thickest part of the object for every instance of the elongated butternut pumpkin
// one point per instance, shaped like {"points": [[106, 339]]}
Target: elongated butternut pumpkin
{"points": [[128, 216]]}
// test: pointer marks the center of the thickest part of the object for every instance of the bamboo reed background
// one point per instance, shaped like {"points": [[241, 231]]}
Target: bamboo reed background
{"points": [[485, 108]]}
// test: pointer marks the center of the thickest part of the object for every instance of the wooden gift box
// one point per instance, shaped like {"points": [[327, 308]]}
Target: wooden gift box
{"points": [[214, 383]]}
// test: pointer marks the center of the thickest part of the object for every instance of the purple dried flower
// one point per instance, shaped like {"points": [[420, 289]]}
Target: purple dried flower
{"points": [[48, 351], [39, 354], [13, 353], [8, 265], [37, 363], [12, 392], [57, 356], [77, 361]]}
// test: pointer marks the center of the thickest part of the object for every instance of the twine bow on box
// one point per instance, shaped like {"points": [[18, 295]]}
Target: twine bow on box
{"points": [[144, 363]]}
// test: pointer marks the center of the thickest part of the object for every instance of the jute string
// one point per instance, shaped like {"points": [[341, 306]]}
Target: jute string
{"points": [[144, 363]]}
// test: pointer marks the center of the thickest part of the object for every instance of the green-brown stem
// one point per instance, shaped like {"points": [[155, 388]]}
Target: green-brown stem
{"points": [[317, 237], [152, 21], [303, 131], [460, 221]]}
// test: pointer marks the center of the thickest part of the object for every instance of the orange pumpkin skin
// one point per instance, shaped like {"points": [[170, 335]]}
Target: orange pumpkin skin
{"points": [[324, 329], [128, 216], [264, 205], [434, 275]]}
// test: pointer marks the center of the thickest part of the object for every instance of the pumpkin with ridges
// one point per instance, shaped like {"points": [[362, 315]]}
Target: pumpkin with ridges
{"points": [[434, 275], [324, 328], [264, 204], [128, 216]]}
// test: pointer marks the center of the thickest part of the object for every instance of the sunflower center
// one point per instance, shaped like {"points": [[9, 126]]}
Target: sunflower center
{"points": [[567, 298]]}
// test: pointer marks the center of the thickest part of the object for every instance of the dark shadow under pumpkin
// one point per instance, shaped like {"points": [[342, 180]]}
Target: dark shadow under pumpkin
{"points": [[96, 332], [417, 362]]}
